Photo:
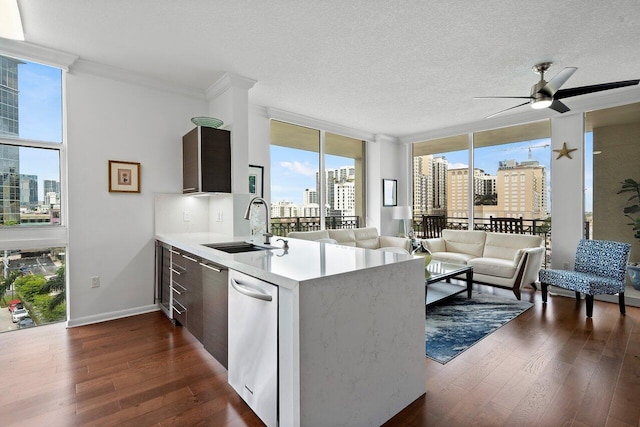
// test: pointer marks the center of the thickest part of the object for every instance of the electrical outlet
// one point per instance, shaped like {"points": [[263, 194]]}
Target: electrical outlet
{"points": [[95, 282], [186, 216], [219, 217]]}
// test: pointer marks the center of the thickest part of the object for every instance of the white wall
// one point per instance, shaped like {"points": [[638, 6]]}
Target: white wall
{"points": [[385, 160], [567, 189], [111, 234]]}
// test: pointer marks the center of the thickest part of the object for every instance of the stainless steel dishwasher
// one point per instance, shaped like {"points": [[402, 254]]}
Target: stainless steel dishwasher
{"points": [[253, 344]]}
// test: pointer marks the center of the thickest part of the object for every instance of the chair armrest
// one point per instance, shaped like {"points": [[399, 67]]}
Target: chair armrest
{"points": [[531, 265], [398, 242], [436, 244]]}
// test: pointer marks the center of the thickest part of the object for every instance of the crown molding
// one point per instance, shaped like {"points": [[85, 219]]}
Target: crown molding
{"points": [[227, 81], [578, 105], [127, 76], [36, 53]]}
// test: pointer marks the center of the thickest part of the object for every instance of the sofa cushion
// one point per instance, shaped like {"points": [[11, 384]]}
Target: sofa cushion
{"points": [[344, 237], [309, 235], [454, 257], [505, 246], [493, 267], [367, 237], [464, 241], [395, 249]]}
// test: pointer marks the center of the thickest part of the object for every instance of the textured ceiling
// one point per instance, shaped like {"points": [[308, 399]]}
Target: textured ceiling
{"points": [[385, 67]]}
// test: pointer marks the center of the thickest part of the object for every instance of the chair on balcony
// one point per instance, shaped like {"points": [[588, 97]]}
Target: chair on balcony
{"points": [[432, 225], [506, 225], [600, 268]]}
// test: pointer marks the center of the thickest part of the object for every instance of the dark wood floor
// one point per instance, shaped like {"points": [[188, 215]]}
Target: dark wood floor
{"points": [[549, 367]]}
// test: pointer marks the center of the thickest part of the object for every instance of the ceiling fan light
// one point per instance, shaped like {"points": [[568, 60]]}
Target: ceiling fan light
{"points": [[543, 103]]}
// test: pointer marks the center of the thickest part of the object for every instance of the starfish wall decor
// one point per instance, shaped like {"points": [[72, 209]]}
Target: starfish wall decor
{"points": [[565, 151]]}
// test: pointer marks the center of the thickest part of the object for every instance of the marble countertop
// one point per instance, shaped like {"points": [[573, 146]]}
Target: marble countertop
{"points": [[304, 260]]}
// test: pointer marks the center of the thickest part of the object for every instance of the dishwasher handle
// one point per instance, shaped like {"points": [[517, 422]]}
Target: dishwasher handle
{"points": [[250, 291]]}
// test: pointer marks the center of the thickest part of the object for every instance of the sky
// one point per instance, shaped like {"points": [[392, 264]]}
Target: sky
{"points": [[40, 119], [294, 170]]}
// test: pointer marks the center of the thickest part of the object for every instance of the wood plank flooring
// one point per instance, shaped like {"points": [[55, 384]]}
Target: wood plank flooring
{"points": [[550, 366]]}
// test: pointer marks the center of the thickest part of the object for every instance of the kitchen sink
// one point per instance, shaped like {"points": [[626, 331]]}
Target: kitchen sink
{"points": [[237, 247]]}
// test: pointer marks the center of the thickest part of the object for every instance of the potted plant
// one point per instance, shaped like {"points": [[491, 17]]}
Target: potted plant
{"points": [[633, 213]]}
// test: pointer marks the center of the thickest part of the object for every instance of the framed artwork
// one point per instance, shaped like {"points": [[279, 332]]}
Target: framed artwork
{"points": [[124, 177], [389, 192], [256, 175]]}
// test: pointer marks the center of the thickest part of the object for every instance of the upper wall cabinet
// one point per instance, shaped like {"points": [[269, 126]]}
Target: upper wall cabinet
{"points": [[206, 161]]}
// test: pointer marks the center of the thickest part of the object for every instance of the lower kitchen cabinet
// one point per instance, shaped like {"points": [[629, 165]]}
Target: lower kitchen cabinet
{"points": [[198, 291], [215, 292]]}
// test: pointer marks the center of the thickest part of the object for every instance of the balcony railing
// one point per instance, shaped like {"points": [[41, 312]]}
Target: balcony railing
{"points": [[282, 226]]}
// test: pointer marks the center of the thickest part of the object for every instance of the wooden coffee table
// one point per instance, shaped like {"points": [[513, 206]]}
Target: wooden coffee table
{"points": [[436, 276]]}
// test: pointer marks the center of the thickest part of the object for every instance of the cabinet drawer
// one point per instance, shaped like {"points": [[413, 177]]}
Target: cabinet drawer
{"points": [[179, 312]]}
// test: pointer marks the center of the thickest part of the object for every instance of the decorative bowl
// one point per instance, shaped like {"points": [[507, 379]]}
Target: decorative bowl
{"points": [[634, 276], [208, 122]]}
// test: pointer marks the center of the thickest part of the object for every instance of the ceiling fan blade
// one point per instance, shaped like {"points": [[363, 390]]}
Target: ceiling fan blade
{"points": [[575, 91], [559, 107], [502, 111], [502, 97], [561, 78]]}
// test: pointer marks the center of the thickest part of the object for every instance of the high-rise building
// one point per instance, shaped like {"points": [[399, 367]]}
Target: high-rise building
{"points": [[9, 155], [345, 198], [9, 185], [522, 189], [9, 119], [310, 196], [51, 186], [430, 185], [28, 191], [340, 175]]}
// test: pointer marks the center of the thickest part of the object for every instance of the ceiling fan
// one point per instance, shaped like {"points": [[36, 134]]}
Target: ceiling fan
{"points": [[548, 94]]}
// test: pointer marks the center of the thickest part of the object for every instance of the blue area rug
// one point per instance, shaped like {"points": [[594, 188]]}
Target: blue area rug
{"points": [[456, 324]]}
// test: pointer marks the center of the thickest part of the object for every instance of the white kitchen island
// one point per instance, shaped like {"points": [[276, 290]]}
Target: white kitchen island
{"points": [[350, 327]]}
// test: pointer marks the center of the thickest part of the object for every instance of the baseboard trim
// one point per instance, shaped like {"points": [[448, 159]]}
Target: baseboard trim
{"points": [[112, 315]]}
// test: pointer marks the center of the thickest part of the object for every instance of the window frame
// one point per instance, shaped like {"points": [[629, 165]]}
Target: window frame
{"points": [[46, 235]]}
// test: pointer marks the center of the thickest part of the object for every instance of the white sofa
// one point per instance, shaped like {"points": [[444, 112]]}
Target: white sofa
{"points": [[498, 259], [360, 237]]}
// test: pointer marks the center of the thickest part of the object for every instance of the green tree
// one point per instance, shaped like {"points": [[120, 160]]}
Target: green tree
{"points": [[5, 284], [56, 284], [29, 286]]}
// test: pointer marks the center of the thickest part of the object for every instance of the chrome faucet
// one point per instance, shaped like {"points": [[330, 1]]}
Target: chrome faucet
{"points": [[247, 215]]}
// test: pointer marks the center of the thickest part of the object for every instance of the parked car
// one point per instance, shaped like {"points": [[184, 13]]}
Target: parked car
{"points": [[26, 322], [14, 303], [19, 313]]}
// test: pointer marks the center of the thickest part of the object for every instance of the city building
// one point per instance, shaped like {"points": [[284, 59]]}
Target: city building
{"points": [[9, 155], [28, 191], [283, 209], [310, 196], [430, 185], [51, 186]]}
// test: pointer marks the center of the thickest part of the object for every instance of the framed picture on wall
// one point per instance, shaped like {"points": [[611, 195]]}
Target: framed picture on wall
{"points": [[124, 177], [256, 176], [389, 192]]}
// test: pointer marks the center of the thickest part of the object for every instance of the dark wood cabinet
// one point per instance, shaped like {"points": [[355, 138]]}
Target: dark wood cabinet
{"points": [[163, 276], [215, 293], [187, 292], [194, 291], [206, 161]]}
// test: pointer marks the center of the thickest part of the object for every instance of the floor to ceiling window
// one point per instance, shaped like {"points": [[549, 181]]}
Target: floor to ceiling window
{"points": [[317, 179], [32, 285], [440, 181], [614, 158]]}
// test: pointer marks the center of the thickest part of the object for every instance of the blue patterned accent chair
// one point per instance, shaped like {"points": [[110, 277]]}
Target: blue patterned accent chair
{"points": [[600, 268]]}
